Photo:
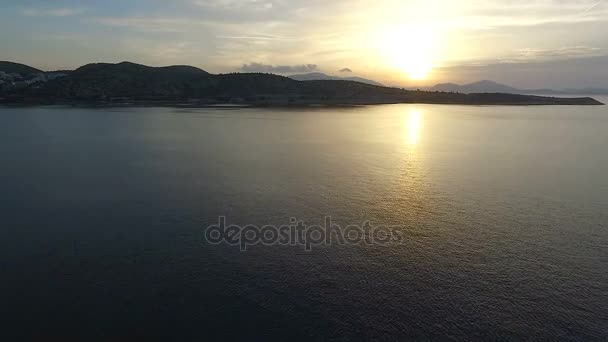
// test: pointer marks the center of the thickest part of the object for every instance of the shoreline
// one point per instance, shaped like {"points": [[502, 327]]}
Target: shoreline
{"points": [[546, 101]]}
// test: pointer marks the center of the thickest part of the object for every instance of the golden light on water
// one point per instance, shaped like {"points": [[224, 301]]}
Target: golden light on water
{"points": [[413, 127]]}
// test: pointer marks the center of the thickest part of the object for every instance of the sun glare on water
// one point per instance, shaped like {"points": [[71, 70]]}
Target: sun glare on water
{"points": [[412, 127]]}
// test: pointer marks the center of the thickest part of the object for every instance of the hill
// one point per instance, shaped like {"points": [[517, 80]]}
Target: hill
{"points": [[22, 69], [134, 83], [132, 69], [318, 76], [126, 79]]}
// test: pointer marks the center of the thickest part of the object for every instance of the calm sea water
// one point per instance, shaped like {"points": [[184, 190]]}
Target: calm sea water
{"points": [[504, 212]]}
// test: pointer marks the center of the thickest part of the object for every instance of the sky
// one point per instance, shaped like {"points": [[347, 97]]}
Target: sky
{"points": [[522, 43]]}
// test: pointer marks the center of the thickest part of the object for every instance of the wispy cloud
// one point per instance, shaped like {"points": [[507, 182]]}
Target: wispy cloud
{"points": [[535, 55], [279, 69], [60, 36], [594, 6], [255, 37], [235, 4], [559, 53], [52, 12], [152, 24]]}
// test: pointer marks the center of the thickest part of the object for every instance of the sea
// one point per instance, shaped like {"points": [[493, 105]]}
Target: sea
{"points": [[497, 216]]}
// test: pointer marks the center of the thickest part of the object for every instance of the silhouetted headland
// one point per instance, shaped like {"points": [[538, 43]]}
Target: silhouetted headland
{"points": [[129, 83]]}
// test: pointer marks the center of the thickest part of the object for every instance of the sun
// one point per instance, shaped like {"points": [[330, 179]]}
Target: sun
{"points": [[409, 49], [417, 67]]}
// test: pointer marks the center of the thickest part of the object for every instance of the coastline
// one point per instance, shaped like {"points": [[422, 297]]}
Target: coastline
{"points": [[284, 103]]}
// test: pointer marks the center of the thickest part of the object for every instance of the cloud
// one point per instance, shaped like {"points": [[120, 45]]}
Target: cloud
{"points": [[279, 69], [235, 4], [594, 5], [346, 70], [151, 24], [59, 36], [530, 54], [254, 37], [52, 12], [563, 51]]}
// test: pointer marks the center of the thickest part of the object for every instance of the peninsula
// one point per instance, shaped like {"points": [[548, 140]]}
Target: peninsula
{"points": [[130, 83]]}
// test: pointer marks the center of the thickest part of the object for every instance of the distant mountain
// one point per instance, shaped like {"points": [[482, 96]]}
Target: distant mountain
{"points": [[104, 83], [318, 76], [486, 86], [22, 69], [585, 91]]}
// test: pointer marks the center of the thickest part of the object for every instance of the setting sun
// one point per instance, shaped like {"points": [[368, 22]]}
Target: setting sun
{"points": [[409, 49]]}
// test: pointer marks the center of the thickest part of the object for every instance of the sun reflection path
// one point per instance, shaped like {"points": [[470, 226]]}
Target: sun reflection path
{"points": [[413, 127]]}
